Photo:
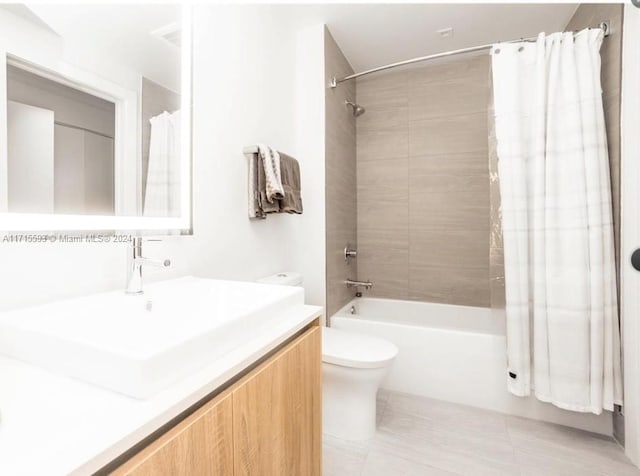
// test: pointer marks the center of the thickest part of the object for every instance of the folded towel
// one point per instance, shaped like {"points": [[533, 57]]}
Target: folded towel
{"points": [[261, 165], [271, 165], [263, 204], [290, 175]]}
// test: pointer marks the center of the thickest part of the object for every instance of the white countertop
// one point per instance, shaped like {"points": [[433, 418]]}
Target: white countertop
{"points": [[53, 425]]}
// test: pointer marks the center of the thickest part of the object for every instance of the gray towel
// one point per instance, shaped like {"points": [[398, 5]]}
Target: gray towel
{"points": [[290, 175]]}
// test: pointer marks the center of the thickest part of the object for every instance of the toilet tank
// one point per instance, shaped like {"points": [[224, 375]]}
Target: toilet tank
{"points": [[285, 278]]}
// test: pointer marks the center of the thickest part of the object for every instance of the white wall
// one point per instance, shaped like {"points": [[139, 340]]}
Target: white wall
{"points": [[245, 88], [309, 250], [245, 93]]}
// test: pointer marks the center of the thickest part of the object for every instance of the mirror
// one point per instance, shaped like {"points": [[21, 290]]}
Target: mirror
{"points": [[95, 107]]}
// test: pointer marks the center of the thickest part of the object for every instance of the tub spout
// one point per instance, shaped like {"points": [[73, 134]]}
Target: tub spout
{"points": [[358, 284]]}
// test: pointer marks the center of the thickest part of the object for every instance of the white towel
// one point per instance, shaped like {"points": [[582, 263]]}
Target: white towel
{"points": [[273, 180]]}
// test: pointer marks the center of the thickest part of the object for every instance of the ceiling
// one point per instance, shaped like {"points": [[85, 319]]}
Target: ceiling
{"points": [[371, 35]]}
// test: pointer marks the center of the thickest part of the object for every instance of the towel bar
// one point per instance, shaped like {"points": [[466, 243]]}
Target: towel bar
{"points": [[250, 149]]}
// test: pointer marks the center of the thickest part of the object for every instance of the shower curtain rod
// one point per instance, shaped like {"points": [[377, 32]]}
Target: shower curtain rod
{"points": [[604, 26]]}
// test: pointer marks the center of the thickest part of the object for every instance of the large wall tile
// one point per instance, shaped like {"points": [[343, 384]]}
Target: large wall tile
{"points": [[452, 97], [390, 279], [382, 144], [383, 180], [383, 196], [447, 248], [383, 256], [383, 89], [464, 163], [460, 211], [448, 134], [444, 284], [423, 183], [383, 118], [471, 68]]}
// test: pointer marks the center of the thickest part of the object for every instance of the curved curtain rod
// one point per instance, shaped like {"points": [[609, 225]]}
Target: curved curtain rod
{"points": [[604, 26]]}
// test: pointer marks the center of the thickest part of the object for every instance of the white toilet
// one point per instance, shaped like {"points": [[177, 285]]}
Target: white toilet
{"points": [[353, 366]]}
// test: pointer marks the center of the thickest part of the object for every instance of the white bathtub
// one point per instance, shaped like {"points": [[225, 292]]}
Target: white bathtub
{"points": [[452, 353]]}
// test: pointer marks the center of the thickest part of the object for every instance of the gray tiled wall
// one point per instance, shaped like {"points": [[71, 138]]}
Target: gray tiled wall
{"points": [[423, 183], [340, 147]]}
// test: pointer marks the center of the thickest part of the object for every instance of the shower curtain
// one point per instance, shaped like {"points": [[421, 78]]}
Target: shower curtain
{"points": [[563, 333], [162, 195]]}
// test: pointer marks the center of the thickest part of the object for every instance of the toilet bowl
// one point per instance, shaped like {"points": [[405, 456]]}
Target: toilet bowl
{"points": [[353, 366]]}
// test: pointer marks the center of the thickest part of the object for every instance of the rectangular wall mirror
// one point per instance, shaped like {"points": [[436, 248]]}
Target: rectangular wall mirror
{"points": [[95, 117]]}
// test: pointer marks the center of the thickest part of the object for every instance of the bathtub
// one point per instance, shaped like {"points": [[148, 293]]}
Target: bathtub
{"points": [[452, 353]]}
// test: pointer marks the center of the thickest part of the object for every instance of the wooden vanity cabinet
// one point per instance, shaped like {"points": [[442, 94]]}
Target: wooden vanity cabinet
{"points": [[268, 423], [201, 444], [277, 414]]}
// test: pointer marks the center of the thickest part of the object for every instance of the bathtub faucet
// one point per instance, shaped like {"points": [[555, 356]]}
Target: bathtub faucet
{"points": [[358, 284]]}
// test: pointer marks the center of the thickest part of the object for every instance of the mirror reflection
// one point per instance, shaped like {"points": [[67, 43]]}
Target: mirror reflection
{"points": [[60, 147], [93, 122]]}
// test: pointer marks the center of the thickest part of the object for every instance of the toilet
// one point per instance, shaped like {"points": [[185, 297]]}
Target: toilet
{"points": [[353, 366]]}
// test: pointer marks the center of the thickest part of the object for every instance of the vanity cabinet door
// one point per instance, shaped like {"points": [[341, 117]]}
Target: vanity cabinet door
{"points": [[267, 423], [277, 413], [201, 445]]}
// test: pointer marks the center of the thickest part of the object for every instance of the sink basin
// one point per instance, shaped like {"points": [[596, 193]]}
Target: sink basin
{"points": [[137, 345]]}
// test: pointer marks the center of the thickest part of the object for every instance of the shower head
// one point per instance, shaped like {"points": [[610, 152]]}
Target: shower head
{"points": [[357, 110]]}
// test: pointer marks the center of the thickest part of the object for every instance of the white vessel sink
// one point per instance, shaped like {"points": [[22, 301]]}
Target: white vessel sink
{"points": [[136, 345]]}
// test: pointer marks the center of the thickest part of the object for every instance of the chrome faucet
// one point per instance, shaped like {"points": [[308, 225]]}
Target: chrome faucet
{"points": [[349, 253], [135, 263], [358, 284]]}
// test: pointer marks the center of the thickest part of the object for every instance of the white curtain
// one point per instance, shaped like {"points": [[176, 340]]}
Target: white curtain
{"points": [[162, 195], [562, 327]]}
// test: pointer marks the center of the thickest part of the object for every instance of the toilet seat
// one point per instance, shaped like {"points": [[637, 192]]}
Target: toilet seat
{"points": [[348, 349]]}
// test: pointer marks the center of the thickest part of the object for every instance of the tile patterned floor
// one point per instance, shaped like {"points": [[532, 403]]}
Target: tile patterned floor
{"points": [[423, 437]]}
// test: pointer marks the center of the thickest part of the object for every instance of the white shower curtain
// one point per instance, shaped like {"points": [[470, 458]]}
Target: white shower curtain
{"points": [[162, 195], [562, 327]]}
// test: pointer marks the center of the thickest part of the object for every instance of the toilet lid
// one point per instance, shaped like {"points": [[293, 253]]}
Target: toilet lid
{"points": [[356, 350]]}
